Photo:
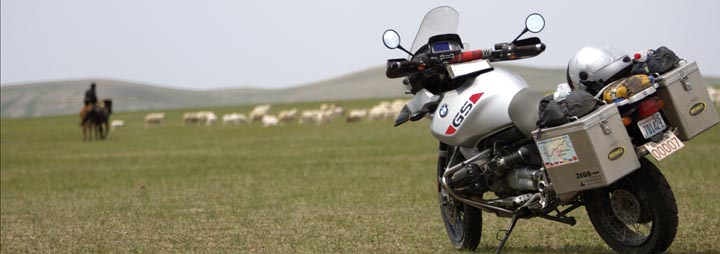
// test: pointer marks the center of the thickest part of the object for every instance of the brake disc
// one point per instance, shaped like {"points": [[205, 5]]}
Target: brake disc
{"points": [[625, 206], [448, 204]]}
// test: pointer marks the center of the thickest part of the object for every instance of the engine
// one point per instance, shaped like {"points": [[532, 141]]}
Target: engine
{"points": [[505, 174]]}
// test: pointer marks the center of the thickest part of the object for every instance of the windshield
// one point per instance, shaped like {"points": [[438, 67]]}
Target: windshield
{"points": [[441, 20]]}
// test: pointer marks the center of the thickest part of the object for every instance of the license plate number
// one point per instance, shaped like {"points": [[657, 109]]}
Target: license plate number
{"points": [[652, 125], [668, 145]]}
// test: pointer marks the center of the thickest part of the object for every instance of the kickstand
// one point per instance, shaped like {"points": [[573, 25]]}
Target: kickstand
{"points": [[513, 221]]}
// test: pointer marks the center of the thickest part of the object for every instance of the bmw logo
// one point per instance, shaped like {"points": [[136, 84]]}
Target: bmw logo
{"points": [[443, 110]]}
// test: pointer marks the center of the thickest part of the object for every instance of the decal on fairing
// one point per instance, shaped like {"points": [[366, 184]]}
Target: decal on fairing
{"points": [[443, 110], [459, 118]]}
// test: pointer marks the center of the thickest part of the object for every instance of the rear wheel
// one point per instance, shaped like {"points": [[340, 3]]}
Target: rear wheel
{"points": [[463, 223], [637, 214]]}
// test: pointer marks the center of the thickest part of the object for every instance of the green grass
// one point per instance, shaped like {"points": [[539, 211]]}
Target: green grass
{"points": [[339, 188]]}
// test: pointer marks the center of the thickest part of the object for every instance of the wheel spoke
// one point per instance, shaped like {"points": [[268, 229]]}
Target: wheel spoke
{"points": [[636, 228], [648, 226], [624, 232], [619, 212]]}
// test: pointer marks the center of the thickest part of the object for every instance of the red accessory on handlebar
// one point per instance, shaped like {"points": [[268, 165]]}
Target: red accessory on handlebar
{"points": [[467, 56]]}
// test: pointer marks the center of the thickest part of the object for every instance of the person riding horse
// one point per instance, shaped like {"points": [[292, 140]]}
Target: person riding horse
{"points": [[95, 116], [90, 101]]}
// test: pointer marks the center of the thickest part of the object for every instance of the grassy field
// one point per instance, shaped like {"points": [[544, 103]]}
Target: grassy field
{"points": [[339, 188]]}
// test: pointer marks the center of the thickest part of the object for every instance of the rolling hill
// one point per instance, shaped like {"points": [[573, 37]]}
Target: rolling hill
{"points": [[65, 97]]}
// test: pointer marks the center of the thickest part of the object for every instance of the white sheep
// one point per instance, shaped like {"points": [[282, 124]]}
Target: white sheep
{"points": [[356, 115], [210, 118], [287, 116], [201, 117], [234, 119], [153, 119], [258, 112], [269, 120], [376, 113], [190, 118], [117, 124], [325, 117], [338, 112], [310, 116], [382, 111]]}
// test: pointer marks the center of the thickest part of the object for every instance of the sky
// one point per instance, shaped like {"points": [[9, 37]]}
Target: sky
{"points": [[275, 44]]}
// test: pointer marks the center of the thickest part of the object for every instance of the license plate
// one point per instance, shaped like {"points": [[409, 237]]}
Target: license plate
{"points": [[651, 125], [668, 145]]}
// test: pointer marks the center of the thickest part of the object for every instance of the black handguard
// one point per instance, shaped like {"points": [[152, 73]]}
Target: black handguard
{"points": [[527, 41], [507, 51], [529, 50]]}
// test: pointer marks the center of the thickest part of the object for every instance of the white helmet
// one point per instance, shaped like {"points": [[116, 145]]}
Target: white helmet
{"points": [[592, 67]]}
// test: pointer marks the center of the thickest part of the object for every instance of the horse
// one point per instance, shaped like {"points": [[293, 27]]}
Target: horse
{"points": [[98, 118]]}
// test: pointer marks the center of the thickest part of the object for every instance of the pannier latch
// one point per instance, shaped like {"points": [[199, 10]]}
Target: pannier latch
{"points": [[685, 81], [605, 126]]}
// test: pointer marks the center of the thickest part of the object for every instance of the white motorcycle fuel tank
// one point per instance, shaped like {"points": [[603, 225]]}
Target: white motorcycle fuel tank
{"points": [[477, 109]]}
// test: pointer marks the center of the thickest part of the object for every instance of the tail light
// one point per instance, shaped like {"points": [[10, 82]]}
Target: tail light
{"points": [[649, 107], [627, 120]]}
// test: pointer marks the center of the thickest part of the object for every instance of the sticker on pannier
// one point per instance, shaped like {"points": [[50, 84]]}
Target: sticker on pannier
{"points": [[557, 151]]}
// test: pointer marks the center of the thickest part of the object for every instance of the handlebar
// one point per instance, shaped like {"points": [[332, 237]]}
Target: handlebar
{"points": [[397, 68], [502, 52]]}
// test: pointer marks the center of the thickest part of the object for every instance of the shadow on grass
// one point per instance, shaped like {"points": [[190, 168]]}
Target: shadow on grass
{"points": [[571, 249], [544, 249], [693, 252]]}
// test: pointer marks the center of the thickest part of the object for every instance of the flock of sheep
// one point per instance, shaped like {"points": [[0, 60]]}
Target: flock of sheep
{"points": [[326, 113]]}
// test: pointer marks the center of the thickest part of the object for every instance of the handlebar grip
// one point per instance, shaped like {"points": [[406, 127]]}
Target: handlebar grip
{"points": [[397, 68], [502, 45]]}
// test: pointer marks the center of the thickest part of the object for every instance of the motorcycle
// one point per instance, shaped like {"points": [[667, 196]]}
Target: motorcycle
{"points": [[492, 157]]}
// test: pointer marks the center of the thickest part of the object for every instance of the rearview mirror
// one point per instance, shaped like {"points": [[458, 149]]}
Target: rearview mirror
{"points": [[391, 39], [535, 23]]}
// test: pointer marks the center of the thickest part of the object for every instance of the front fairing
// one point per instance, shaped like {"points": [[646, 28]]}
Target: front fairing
{"points": [[424, 99], [419, 104], [440, 20]]}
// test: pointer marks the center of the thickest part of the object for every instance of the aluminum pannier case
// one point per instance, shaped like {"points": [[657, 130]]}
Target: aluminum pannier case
{"points": [[592, 152], [687, 102]]}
